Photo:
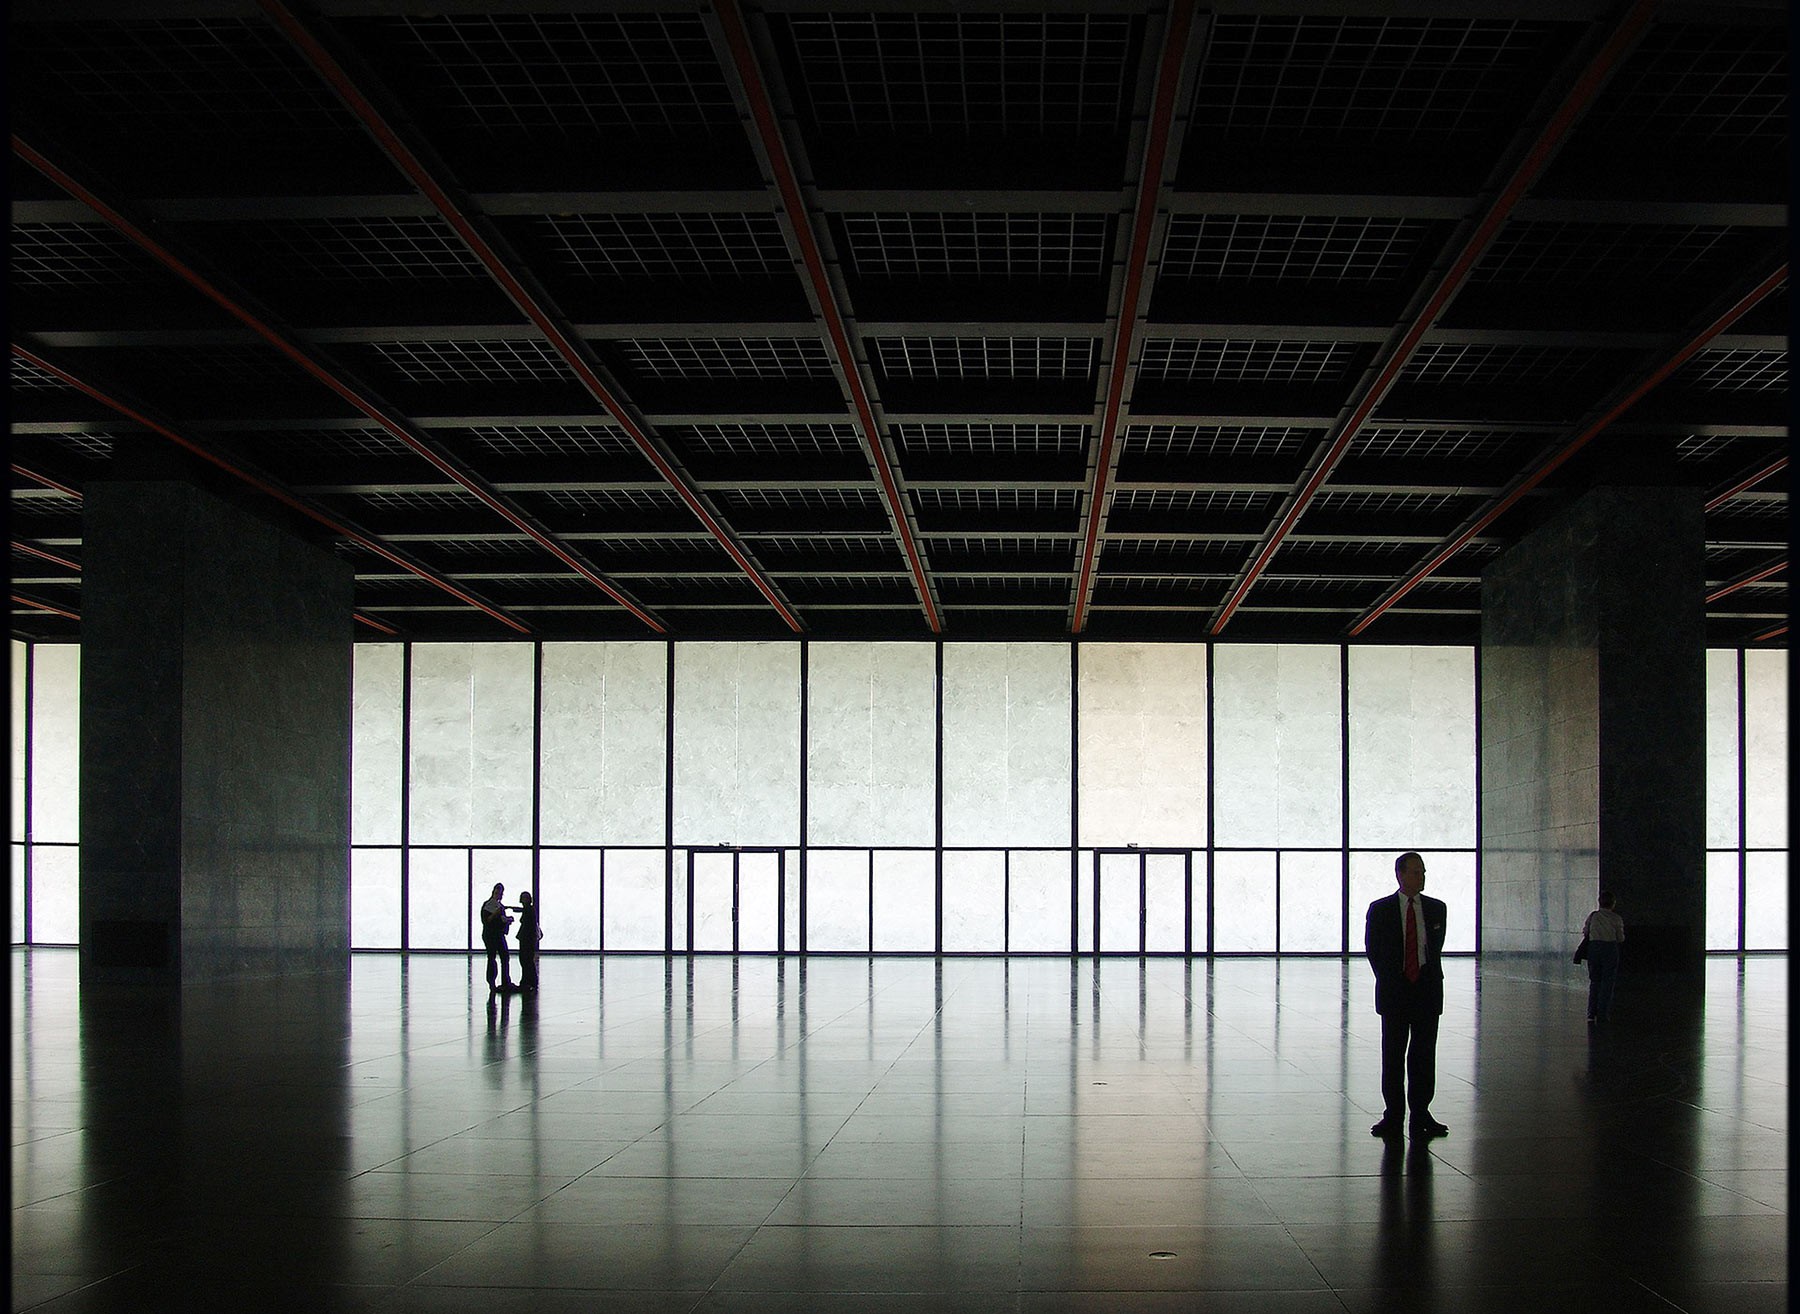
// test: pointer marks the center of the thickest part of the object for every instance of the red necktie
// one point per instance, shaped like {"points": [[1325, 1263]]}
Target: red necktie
{"points": [[1412, 944]]}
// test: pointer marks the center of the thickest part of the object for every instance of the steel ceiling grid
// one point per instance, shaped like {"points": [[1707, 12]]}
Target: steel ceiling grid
{"points": [[805, 499], [707, 245], [1406, 443], [1401, 508], [1727, 449], [1565, 252], [69, 254], [1463, 364], [27, 377], [44, 504], [1215, 442], [379, 248], [997, 499], [728, 440], [890, 72], [586, 501], [504, 75], [251, 365], [790, 552], [463, 362], [1006, 245], [984, 358], [1256, 248], [1735, 370], [353, 443], [574, 440], [979, 439], [92, 448], [1248, 360], [690, 359], [177, 77], [1313, 75], [1192, 502], [1724, 86], [412, 500]]}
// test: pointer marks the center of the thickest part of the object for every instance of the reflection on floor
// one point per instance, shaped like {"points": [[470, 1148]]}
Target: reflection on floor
{"points": [[891, 1134]]}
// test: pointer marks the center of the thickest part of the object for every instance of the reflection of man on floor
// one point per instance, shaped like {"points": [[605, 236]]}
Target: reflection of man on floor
{"points": [[1404, 939]]}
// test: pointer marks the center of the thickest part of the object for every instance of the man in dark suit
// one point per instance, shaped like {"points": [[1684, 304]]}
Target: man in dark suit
{"points": [[1404, 938]]}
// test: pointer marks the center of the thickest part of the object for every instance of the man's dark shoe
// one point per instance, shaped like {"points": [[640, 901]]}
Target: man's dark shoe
{"points": [[1388, 1129], [1428, 1128]]}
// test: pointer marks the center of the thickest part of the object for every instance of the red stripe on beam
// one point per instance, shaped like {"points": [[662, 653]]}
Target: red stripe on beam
{"points": [[1156, 147], [1574, 445], [263, 486], [789, 186], [47, 556], [45, 606], [1745, 484], [374, 624], [1747, 580], [45, 480], [1584, 90]]}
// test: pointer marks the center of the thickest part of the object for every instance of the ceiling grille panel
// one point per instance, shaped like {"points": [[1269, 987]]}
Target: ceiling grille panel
{"points": [[1545, 252], [1290, 248], [499, 361], [1407, 444], [647, 245], [396, 249], [978, 245], [1243, 360], [566, 73], [1462, 364], [1371, 77], [727, 358], [997, 439], [540, 440], [985, 358], [1736, 371], [766, 439], [69, 254], [1213, 441], [965, 72], [1725, 86]]}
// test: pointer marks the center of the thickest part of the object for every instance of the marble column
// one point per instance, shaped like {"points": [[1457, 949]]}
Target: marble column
{"points": [[215, 741], [1593, 730]]}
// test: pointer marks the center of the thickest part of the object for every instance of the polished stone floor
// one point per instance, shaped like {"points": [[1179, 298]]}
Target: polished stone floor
{"points": [[891, 1134]]}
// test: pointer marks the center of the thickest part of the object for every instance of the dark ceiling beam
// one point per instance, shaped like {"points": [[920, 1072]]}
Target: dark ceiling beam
{"points": [[1745, 482], [1441, 287], [242, 308], [1746, 579], [829, 297], [1129, 299], [374, 624], [520, 287], [269, 487], [48, 481], [1775, 633], [32, 550], [1616, 404]]}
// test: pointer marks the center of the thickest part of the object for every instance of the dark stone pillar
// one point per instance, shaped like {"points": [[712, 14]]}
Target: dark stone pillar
{"points": [[1593, 730], [215, 741]]}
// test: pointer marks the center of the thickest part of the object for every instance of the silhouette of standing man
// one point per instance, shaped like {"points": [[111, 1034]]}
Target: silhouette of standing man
{"points": [[494, 921], [1404, 939]]}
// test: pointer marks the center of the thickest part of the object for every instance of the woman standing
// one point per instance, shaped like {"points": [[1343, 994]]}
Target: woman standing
{"points": [[1605, 933]]}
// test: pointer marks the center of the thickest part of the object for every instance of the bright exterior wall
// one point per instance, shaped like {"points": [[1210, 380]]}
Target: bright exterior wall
{"points": [[911, 797]]}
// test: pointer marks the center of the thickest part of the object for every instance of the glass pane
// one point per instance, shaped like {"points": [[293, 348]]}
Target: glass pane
{"points": [[1243, 902], [906, 900], [1372, 878], [19, 657], [374, 898], [1084, 901], [1451, 877], [791, 927], [837, 901], [604, 763], [1765, 901], [1765, 750], [1038, 902], [1143, 743], [635, 912], [55, 748], [759, 901], [1722, 755], [1721, 901], [1166, 903], [378, 670], [1312, 902], [18, 894], [1119, 904], [712, 900], [1278, 774], [569, 898], [471, 743], [438, 899], [1412, 747], [871, 770], [975, 903], [737, 743], [55, 894], [1006, 744]]}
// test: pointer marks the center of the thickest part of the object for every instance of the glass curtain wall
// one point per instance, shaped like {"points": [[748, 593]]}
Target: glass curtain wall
{"points": [[851, 797]]}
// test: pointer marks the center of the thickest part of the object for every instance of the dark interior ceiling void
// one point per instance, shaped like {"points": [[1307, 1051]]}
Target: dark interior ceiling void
{"points": [[1253, 322]]}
